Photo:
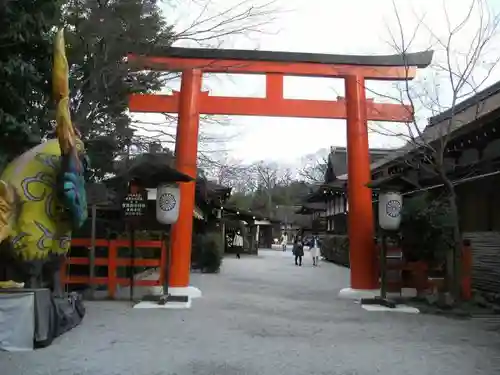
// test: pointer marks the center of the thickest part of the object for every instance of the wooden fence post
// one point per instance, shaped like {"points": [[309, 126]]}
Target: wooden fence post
{"points": [[112, 271], [163, 262], [466, 271]]}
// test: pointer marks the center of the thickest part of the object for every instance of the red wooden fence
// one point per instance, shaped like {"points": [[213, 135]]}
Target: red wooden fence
{"points": [[420, 279], [113, 262]]}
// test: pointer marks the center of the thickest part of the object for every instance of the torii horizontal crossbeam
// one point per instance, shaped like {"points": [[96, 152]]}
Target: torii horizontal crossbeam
{"points": [[269, 107]]}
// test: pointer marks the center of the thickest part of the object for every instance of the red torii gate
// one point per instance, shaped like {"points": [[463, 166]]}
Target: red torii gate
{"points": [[191, 101]]}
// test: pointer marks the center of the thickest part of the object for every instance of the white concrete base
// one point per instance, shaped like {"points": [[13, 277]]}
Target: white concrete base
{"points": [[168, 305], [189, 291], [399, 308], [357, 294], [409, 292], [155, 290]]}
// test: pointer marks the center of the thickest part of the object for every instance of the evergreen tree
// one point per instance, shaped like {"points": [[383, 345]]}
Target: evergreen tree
{"points": [[25, 70], [100, 34]]}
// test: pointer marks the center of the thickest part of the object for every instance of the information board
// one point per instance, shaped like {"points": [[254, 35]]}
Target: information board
{"points": [[134, 205]]}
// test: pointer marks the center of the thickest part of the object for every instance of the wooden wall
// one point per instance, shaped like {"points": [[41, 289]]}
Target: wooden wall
{"points": [[479, 205], [479, 209], [485, 260]]}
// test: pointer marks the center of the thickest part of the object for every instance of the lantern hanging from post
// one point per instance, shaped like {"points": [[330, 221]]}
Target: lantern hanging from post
{"points": [[167, 204], [390, 205]]}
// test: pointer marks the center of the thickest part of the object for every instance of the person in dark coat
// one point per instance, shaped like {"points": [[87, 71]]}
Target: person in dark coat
{"points": [[298, 250]]}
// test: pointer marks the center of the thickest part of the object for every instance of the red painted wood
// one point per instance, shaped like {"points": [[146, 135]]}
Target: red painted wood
{"points": [[361, 226], [186, 155], [272, 107], [112, 262], [357, 110]]}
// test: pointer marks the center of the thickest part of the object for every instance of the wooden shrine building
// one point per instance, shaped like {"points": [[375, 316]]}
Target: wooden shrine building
{"points": [[472, 160], [331, 195]]}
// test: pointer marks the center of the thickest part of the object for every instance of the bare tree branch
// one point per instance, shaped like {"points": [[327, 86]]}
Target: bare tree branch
{"points": [[313, 168], [212, 26]]}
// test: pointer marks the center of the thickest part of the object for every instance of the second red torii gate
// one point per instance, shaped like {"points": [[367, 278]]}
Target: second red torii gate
{"points": [[190, 102]]}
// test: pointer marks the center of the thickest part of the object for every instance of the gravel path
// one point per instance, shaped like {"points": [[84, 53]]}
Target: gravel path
{"points": [[263, 315]]}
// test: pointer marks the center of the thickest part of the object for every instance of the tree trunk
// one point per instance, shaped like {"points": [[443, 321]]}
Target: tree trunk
{"points": [[454, 256], [457, 250]]}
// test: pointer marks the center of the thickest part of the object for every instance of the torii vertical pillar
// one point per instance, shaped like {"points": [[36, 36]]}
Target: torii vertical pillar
{"points": [[360, 219], [186, 150]]}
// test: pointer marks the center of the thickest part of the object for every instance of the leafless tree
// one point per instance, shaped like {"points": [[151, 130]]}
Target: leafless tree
{"points": [[313, 168], [285, 177], [212, 26], [229, 172], [267, 174], [164, 130], [456, 73], [270, 175]]}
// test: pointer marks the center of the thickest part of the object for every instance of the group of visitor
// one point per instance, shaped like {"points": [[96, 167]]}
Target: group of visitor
{"points": [[299, 243], [313, 243]]}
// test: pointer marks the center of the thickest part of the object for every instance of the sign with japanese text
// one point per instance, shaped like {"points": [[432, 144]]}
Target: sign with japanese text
{"points": [[134, 205]]}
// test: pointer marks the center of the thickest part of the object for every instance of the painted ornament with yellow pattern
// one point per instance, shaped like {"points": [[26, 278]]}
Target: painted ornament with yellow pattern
{"points": [[42, 192]]}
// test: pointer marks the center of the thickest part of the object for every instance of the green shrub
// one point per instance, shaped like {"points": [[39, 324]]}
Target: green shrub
{"points": [[207, 252], [426, 228]]}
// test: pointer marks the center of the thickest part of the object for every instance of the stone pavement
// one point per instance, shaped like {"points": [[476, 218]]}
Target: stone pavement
{"points": [[263, 315]]}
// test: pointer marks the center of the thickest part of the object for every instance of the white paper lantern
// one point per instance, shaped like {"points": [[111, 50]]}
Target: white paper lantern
{"points": [[167, 204], [389, 210]]}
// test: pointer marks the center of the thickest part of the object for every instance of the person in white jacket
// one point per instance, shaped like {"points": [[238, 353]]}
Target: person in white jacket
{"points": [[284, 241], [238, 243], [315, 245]]}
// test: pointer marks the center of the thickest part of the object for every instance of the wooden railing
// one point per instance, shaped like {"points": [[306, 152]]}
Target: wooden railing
{"points": [[112, 261]]}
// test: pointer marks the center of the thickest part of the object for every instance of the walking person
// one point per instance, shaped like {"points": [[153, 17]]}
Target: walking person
{"points": [[315, 245], [284, 241], [238, 244], [298, 250]]}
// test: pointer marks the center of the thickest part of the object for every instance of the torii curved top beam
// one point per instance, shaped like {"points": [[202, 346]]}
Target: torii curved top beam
{"points": [[382, 67], [417, 59]]}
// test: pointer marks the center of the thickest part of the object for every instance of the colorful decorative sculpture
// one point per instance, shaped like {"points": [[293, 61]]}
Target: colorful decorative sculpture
{"points": [[42, 192]]}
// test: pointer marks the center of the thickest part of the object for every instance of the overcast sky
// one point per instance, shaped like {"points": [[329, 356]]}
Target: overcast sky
{"points": [[322, 26]]}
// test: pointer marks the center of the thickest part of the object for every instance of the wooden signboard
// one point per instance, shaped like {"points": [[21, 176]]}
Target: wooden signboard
{"points": [[134, 205]]}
